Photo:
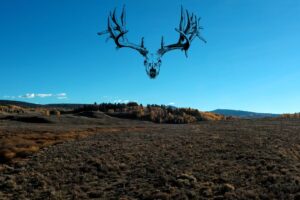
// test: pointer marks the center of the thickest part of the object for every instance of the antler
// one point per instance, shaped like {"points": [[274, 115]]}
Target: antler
{"points": [[189, 29], [117, 31]]}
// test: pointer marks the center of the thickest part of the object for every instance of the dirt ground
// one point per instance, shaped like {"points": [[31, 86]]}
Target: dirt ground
{"points": [[110, 158]]}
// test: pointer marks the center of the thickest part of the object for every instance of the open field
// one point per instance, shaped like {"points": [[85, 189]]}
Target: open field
{"points": [[24, 134], [101, 157]]}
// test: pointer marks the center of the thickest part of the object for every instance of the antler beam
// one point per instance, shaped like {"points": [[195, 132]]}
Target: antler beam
{"points": [[117, 31], [189, 29]]}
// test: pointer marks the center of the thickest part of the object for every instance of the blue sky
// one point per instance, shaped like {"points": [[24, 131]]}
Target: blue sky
{"points": [[50, 53]]}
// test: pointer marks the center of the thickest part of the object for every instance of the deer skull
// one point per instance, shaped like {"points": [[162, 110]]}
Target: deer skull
{"points": [[152, 65], [188, 30]]}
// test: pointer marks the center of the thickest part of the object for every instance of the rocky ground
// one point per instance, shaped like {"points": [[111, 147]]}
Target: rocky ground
{"points": [[242, 159]]}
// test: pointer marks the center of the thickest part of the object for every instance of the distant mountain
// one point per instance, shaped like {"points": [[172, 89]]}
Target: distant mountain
{"points": [[172, 107], [243, 114]]}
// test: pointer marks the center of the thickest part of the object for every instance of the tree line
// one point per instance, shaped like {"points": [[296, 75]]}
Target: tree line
{"points": [[152, 112]]}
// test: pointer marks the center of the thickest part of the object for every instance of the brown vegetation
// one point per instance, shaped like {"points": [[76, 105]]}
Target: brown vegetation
{"points": [[11, 109], [24, 131], [154, 113], [238, 159], [48, 153], [23, 144], [290, 116]]}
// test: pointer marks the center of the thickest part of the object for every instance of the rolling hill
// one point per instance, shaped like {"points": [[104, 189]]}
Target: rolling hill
{"points": [[18, 103], [33, 105]]}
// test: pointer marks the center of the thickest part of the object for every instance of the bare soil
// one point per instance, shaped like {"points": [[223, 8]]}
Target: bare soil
{"points": [[127, 159]]}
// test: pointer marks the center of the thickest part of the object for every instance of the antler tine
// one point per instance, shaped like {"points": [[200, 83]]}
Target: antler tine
{"points": [[188, 22], [196, 22], [182, 20], [113, 15], [110, 28], [199, 28], [201, 38], [103, 32], [192, 21], [143, 43], [183, 23], [186, 53], [192, 18], [188, 30], [123, 17], [196, 25], [118, 27]]}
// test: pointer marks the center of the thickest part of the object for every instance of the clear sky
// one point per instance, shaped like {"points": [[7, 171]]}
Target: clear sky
{"points": [[50, 53]]}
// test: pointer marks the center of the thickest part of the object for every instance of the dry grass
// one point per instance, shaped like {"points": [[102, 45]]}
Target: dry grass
{"points": [[25, 144], [127, 159], [208, 116], [24, 131], [12, 109], [21, 144]]}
